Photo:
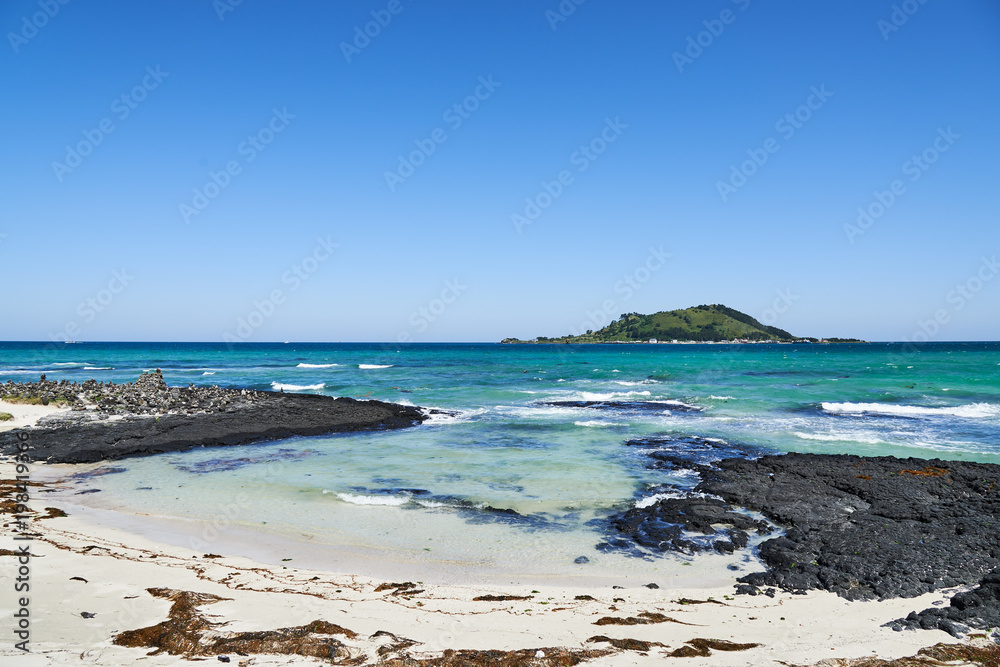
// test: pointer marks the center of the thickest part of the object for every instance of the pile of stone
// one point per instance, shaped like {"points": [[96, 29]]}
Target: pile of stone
{"points": [[148, 395]]}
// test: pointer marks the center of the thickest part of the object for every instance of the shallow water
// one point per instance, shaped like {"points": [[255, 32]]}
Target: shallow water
{"points": [[517, 481]]}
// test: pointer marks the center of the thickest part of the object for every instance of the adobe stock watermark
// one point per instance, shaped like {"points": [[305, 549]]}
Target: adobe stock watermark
{"points": [[363, 35], [901, 13], [233, 511], [713, 30], [454, 116], [22, 533], [781, 305], [956, 298], [248, 149], [786, 126], [581, 158], [424, 316], [563, 11], [223, 7], [31, 25], [121, 107], [915, 167], [223, 518], [88, 309], [629, 284], [265, 308]]}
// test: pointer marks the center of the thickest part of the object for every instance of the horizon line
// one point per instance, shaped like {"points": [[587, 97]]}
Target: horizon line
{"points": [[470, 342]]}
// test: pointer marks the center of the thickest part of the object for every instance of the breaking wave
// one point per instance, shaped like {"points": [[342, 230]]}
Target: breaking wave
{"points": [[970, 411], [279, 386]]}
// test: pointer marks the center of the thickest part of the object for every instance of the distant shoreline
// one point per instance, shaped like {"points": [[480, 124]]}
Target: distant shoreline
{"points": [[705, 324], [562, 341]]}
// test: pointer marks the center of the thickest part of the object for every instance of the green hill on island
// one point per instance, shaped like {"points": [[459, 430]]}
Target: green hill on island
{"points": [[700, 323]]}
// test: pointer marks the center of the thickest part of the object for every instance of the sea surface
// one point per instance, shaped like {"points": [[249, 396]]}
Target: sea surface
{"points": [[524, 472]]}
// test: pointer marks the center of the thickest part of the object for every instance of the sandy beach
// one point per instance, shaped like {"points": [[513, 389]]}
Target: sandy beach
{"points": [[25, 415], [101, 582], [91, 582]]}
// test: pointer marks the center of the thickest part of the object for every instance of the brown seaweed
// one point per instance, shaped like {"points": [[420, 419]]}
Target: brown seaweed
{"points": [[644, 618], [188, 632], [626, 644], [702, 648]]}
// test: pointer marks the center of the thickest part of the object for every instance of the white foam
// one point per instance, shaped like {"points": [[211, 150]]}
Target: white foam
{"points": [[652, 500], [971, 411], [316, 365], [279, 386], [357, 499], [539, 411], [73, 363], [431, 504], [370, 366], [722, 398], [444, 418], [98, 368], [655, 498], [835, 436], [597, 424], [209, 373], [680, 404], [609, 396]]}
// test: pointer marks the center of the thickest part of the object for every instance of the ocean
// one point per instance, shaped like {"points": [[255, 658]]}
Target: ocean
{"points": [[518, 475]]}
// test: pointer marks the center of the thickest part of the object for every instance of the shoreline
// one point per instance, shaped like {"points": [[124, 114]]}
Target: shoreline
{"points": [[812, 510], [119, 566], [271, 543], [146, 417], [563, 341]]}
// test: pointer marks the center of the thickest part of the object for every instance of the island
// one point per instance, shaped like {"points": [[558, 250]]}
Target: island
{"points": [[700, 324]]}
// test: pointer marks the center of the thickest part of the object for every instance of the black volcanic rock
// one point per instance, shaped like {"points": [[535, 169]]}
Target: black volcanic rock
{"points": [[868, 527], [669, 525], [861, 527], [976, 609], [146, 417]]}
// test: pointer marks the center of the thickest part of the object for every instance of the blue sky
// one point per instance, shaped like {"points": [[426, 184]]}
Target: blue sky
{"points": [[644, 124]]}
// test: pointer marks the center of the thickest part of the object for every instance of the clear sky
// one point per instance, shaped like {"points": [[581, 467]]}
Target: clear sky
{"points": [[467, 171]]}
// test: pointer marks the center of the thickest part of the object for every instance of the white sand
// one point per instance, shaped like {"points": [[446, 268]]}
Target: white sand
{"points": [[119, 566], [26, 415]]}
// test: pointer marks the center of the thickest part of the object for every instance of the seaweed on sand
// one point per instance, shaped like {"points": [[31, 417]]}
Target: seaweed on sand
{"points": [[188, 632], [984, 653], [644, 618]]}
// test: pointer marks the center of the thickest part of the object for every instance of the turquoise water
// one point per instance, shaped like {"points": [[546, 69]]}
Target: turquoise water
{"points": [[561, 468]]}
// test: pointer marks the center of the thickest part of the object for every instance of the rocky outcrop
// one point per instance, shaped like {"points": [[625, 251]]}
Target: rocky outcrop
{"points": [[868, 527], [147, 395], [115, 421], [978, 609], [861, 527]]}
